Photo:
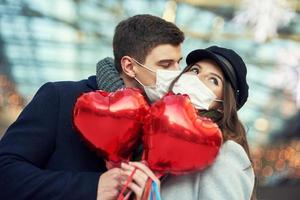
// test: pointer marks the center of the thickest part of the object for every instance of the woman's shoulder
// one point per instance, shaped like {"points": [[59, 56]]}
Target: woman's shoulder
{"points": [[233, 153], [231, 176]]}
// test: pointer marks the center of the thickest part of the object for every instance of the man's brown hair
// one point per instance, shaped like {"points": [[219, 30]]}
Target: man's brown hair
{"points": [[138, 35]]}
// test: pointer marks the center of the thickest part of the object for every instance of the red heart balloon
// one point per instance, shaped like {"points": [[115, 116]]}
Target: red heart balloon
{"points": [[111, 122], [176, 139]]}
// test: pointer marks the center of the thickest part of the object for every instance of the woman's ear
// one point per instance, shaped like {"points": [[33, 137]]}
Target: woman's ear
{"points": [[127, 66]]}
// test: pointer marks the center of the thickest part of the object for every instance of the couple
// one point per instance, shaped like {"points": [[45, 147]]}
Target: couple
{"points": [[42, 156]]}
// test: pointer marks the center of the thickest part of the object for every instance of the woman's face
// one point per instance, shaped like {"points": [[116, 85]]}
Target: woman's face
{"points": [[212, 76]]}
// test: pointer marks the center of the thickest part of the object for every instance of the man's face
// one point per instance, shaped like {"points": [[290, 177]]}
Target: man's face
{"points": [[164, 56]]}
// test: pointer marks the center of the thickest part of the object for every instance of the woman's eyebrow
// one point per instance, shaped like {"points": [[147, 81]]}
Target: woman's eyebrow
{"points": [[196, 64], [217, 76]]}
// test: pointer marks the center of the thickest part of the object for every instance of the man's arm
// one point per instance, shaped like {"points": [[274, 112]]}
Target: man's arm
{"points": [[26, 148]]}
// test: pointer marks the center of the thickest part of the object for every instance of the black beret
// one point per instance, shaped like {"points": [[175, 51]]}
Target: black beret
{"points": [[232, 66]]}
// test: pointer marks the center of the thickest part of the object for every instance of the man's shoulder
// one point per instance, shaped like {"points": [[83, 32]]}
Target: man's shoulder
{"points": [[89, 82], [67, 90], [66, 87]]}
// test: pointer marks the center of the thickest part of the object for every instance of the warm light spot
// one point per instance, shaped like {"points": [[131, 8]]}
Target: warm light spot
{"points": [[280, 165], [267, 171], [271, 155], [170, 11], [261, 124]]}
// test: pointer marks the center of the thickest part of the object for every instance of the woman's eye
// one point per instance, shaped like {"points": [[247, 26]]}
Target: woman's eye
{"points": [[214, 81]]}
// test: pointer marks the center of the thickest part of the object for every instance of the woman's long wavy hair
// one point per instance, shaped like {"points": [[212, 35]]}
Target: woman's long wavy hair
{"points": [[227, 120]]}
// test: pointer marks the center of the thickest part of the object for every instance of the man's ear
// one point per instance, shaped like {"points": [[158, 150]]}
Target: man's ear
{"points": [[127, 66]]}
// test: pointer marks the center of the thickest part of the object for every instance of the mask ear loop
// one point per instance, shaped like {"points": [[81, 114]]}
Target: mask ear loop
{"points": [[140, 64], [138, 81], [220, 111]]}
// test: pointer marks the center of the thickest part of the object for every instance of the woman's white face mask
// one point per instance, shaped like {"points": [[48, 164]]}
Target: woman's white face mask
{"points": [[201, 96]]}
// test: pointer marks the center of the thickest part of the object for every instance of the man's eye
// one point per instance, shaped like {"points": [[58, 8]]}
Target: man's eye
{"points": [[166, 65]]}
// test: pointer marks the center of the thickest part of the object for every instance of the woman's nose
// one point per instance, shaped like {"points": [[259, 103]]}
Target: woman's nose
{"points": [[201, 76]]}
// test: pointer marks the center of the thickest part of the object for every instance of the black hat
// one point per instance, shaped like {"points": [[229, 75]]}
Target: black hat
{"points": [[232, 66]]}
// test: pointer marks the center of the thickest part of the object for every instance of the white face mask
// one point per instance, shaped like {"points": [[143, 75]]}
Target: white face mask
{"points": [[200, 95], [163, 80]]}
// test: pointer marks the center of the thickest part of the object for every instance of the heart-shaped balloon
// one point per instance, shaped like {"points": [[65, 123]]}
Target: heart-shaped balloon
{"points": [[111, 123], [177, 140]]}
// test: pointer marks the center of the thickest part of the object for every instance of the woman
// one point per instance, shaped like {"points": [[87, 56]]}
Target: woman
{"points": [[220, 74]]}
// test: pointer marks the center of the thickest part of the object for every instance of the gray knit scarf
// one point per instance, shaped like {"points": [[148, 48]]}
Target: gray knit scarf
{"points": [[107, 76], [108, 79]]}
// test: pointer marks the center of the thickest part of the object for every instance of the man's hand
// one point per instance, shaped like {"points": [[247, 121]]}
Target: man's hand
{"points": [[110, 184]]}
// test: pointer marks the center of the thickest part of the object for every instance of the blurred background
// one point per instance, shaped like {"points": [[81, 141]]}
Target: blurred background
{"points": [[53, 40]]}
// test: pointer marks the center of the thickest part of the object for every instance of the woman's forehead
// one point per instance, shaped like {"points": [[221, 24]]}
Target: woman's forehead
{"points": [[210, 65]]}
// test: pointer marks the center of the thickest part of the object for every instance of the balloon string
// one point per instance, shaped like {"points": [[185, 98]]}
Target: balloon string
{"points": [[147, 189], [128, 181], [155, 187], [151, 193]]}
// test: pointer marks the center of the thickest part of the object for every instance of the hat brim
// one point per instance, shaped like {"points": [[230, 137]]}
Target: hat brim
{"points": [[201, 54]]}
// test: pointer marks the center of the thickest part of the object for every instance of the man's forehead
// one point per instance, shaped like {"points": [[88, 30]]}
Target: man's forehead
{"points": [[165, 53]]}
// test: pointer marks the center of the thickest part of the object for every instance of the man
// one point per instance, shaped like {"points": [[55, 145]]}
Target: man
{"points": [[42, 156]]}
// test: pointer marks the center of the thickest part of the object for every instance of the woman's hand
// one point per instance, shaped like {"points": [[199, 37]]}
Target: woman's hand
{"points": [[140, 177]]}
